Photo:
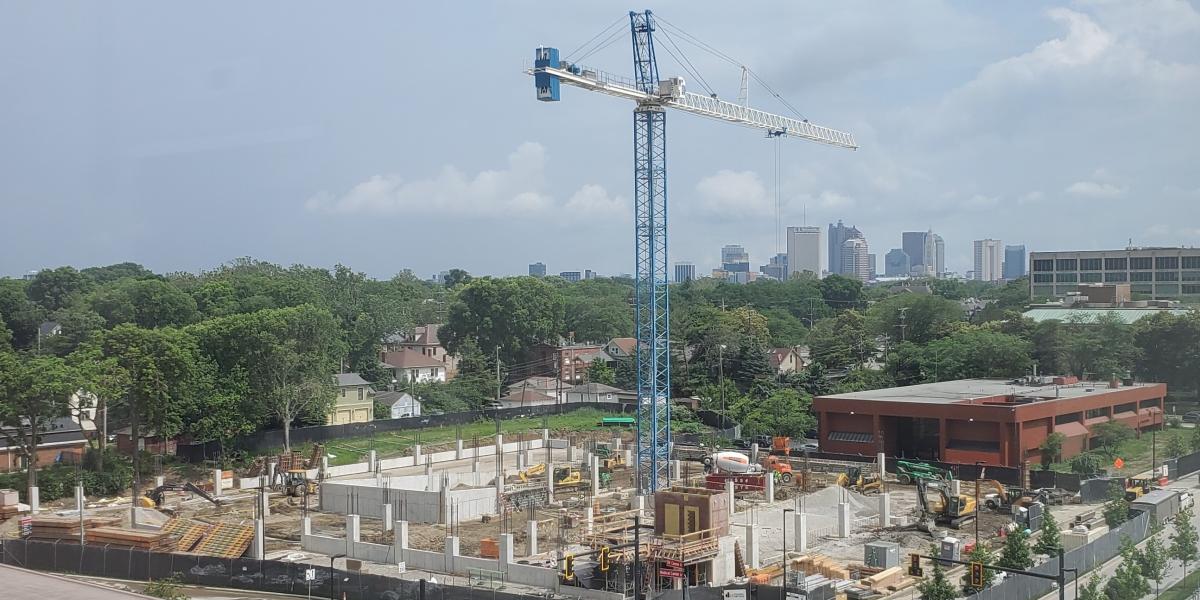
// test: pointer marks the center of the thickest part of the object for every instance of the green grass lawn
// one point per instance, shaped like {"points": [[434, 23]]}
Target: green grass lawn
{"points": [[390, 444], [1184, 589], [1137, 452]]}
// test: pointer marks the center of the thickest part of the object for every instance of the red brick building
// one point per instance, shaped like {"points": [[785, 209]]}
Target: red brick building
{"points": [[993, 421]]}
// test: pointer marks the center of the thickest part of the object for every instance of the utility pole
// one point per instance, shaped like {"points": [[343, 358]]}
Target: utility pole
{"points": [[497, 374]]}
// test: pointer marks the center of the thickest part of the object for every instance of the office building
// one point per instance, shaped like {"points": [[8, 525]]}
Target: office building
{"points": [[871, 268], [913, 244], [998, 422], [1014, 262], [926, 252], [571, 276], [589, 274], [537, 269], [988, 260], [856, 259], [804, 250], [1152, 273], [939, 254], [838, 234], [735, 259], [896, 263], [685, 271], [776, 268]]}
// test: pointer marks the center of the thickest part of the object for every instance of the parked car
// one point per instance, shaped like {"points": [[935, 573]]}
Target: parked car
{"points": [[809, 447], [742, 443], [763, 441], [1191, 416]]}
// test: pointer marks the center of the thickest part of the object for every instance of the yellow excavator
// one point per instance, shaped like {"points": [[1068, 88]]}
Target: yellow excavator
{"points": [[567, 477], [535, 471], [854, 479], [938, 506]]}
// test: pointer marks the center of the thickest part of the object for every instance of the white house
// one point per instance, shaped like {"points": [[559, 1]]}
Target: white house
{"points": [[402, 404], [411, 366]]}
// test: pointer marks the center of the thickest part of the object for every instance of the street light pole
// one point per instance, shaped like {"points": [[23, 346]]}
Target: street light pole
{"points": [[783, 589], [331, 578]]}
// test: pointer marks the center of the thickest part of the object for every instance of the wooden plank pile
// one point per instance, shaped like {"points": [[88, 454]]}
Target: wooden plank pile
{"points": [[66, 528], [227, 540], [8, 504], [189, 532], [155, 541], [819, 564]]}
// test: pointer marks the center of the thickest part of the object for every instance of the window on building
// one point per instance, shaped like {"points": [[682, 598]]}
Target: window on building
{"points": [[1065, 264], [1043, 278], [344, 390], [1142, 288], [976, 445], [1089, 277], [1166, 275], [1141, 263], [1067, 418], [1191, 288], [1090, 264], [1095, 413], [1127, 407], [1191, 262], [1148, 276], [1115, 264], [1191, 275], [1043, 265], [1151, 403], [362, 393], [1066, 277], [433, 372], [1116, 277], [1166, 289], [1166, 262]]}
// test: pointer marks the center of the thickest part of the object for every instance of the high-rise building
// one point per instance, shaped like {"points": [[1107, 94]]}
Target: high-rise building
{"points": [[537, 269], [856, 259], [804, 250], [589, 274], [913, 244], [872, 263], [684, 271], [838, 234], [987, 260], [896, 263], [571, 276], [1014, 261], [939, 253], [776, 268], [735, 259], [1151, 273]]}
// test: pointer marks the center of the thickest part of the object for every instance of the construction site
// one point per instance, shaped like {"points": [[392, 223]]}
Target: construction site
{"points": [[562, 513]]}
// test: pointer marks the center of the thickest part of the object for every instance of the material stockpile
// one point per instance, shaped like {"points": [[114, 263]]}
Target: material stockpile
{"points": [[156, 541], [226, 540], [8, 504], [189, 532], [819, 564], [66, 528]]}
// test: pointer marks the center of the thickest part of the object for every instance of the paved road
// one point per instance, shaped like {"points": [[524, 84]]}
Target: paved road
{"points": [[1174, 569]]}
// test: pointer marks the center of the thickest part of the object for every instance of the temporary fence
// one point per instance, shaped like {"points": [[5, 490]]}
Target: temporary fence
{"points": [[247, 574]]}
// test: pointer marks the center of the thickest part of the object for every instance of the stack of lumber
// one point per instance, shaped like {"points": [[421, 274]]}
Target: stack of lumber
{"points": [[59, 528], [227, 540], [887, 580], [8, 505], [819, 564], [156, 541], [189, 532]]}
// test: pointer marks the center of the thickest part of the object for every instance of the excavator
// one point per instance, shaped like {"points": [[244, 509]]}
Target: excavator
{"points": [[938, 506], [1003, 498], [154, 498], [535, 471], [296, 484], [854, 479]]}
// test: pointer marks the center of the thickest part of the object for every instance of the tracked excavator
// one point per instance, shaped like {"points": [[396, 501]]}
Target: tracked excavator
{"points": [[938, 507]]}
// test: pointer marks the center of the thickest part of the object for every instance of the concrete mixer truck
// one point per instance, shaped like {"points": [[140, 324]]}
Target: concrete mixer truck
{"points": [[740, 464]]}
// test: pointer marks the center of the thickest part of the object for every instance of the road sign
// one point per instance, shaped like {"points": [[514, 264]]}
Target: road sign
{"points": [[672, 573], [26, 524], [310, 574], [1119, 463], [673, 564], [734, 595]]}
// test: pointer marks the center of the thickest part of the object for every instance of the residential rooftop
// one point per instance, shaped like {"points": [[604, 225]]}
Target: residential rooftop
{"points": [[967, 391]]}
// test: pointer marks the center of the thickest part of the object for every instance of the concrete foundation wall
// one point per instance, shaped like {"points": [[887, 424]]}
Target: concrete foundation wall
{"points": [[470, 504], [367, 501], [323, 544]]}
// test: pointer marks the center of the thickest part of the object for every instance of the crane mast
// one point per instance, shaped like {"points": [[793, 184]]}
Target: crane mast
{"points": [[652, 310]]}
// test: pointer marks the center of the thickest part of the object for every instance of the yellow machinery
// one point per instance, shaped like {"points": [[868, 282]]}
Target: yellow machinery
{"points": [[154, 498], [535, 471], [567, 477], [937, 504], [854, 479], [297, 484], [613, 461]]}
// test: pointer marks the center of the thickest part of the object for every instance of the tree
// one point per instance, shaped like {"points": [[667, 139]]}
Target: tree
{"points": [[53, 289], [600, 372], [1128, 581], [1050, 540], [455, 278], [1085, 463], [1091, 590], [1169, 350], [1195, 441], [912, 317], [1016, 553], [5, 336], [1176, 447], [625, 374], [841, 292], [841, 342], [937, 587], [294, 381], [18, 313], [1101, 348], [969, 352], [1051, 449], [1184, 539], [78, 324], [147, 303], [110, 273], [34, 390], [514, 314], [978, 554], [597, 318], [784, 412], [1153, 558], [1116, 507], [1109, 436], [752, 363]]}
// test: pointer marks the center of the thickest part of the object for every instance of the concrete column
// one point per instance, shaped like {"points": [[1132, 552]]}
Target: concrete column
{"points": [[532, 541], [79, 498], [752, 539], [882, 460], [955, 487], [570, 453], [639, 504], [371, 460], [446, 504], [616, 443], [159, 480], [769, 488], [843, 519], [306, 526], [353, 528], [520, 461], [387, 517], [732, 497], [545, 438], [324, 467], [451, 552], [885, 510], [587, 459], [628, 456], [217, 483], [458, 449], [595, 470], [400, 540], [499, 444], [801, 533], [676, 470], [753, 453], [506, 549], [270, 471], [258, 547], [550, 482], [418, 459], [428, 469], [266, 504], [34, 502], [590, 517]]}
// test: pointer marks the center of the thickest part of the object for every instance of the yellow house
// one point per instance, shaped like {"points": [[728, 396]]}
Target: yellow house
{"points": [[355, 400]]}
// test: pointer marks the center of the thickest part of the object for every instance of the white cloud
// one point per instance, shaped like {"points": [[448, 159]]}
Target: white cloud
{"points": [[518, 189], [1095, 189], [733, 194], [1032, 197], [834, 200]]}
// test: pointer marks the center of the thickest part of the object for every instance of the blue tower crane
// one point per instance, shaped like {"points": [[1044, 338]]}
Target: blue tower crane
{"points": [[652, 313]]}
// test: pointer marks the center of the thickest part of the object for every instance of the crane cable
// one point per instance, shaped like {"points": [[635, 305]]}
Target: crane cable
{"points": [[684, 62], [594, 38]]}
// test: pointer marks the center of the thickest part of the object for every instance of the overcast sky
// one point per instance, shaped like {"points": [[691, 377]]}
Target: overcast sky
{"points": [[391, 135]]}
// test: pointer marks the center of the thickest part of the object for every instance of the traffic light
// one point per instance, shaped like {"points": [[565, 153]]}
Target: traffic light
{"points": [[914, 565], [977, 575], [604, 558], [568, 567]]}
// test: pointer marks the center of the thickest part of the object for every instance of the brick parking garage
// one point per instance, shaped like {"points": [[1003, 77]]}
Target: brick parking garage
{"points": [[999, 422]]}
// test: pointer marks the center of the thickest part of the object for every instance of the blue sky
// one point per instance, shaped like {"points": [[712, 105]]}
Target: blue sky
{"points": [[389, 135]]}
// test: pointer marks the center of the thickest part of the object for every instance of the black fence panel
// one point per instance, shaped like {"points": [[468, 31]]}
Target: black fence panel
{"points": [[93, 560], [280, 577], [246, 574], [1053, 479], [210, 571], [68, 557], [139, 564], [1188, 463]]}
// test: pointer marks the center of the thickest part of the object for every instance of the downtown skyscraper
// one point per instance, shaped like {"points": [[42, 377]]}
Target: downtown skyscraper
{"points": [[838, 234]]}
